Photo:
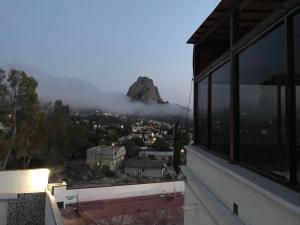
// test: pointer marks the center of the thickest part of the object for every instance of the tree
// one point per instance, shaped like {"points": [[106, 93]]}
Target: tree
{"points": [[59, 124], [181, 138], [32, 139], [78, 137], [3, 93], [138, 141], [107, 172], [131, 150], [176, 158], [161, 144], [20, 112]]}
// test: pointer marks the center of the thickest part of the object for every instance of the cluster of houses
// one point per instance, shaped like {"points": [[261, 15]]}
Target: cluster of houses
{"points": [[150, 163]]}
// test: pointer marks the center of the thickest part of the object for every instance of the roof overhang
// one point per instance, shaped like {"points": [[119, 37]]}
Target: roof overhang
{"points": [[252, 12]]}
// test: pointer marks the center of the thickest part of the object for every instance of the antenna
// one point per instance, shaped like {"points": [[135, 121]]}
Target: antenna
{"points": [[190, 96]]}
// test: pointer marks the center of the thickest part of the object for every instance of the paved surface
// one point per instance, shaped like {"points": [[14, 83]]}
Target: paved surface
{"points": [[146, 210]]}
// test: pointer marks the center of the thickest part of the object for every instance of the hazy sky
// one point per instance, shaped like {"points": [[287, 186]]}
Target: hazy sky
{"points": [[106, 42]]}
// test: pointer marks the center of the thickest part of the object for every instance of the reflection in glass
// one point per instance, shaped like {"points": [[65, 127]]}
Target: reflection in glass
{"points": [[220, 103], [202, 119], [262, 104], [297, 72]]}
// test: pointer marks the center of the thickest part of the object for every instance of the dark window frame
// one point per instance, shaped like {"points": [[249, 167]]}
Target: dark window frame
{"points": [[253, 41], [208, 75], [196, 110], [286, 19]]}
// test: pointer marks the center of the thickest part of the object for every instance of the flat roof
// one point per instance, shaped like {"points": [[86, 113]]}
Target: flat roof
{"points": [[252, 13], [156, 209], [144, 163]]}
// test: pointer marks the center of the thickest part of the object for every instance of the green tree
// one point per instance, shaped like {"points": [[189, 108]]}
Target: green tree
{"points": [[21, 113], [131, 150], [79, 139], [59, 124], [181, 138], [138, 141], [161, 144], [107, 172]]}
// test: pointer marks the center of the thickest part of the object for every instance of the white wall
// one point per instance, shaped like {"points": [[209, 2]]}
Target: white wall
{"points": [[52, 213], [24, 181], [257, 205], [113, 192]]}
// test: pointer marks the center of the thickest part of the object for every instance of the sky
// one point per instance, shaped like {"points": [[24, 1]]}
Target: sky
{"points": [[107, 43]]}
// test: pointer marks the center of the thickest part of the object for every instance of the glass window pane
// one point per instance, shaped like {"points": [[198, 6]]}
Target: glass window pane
{"points": [[202, 120], [262, 104], [220, 103], [297, 72]]}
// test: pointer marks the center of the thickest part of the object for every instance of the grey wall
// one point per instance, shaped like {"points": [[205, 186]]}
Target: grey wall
{"points": [[213, 185], [27, 209], [3, 212]]}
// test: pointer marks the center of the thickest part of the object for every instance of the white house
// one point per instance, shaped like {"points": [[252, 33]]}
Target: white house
{"points": [[111, 156]]}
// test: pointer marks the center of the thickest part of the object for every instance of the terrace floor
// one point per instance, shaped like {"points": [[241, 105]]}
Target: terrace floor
{"points": [[145, 210]]}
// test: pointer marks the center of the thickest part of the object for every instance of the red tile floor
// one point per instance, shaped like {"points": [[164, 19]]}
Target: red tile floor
{"points": [[146, 210]]}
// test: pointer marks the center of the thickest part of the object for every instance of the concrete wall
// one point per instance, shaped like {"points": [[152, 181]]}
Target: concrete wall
{"points": [[27, 208], [194, 211], [24, 181], [92, 194], [52, 213], [105, 155], [147, 172], [3, 212], [214, 185]]}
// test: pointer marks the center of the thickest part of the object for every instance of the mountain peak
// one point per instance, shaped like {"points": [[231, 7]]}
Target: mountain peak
{"points": [[144, 90]]}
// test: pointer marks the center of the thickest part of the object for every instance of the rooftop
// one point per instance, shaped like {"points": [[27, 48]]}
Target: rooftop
{"points": [[251, 13], [143, 163], [157, 209]]}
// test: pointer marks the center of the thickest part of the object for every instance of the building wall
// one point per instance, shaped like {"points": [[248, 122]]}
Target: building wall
{"points": [[158, 155], [26, 209], [69, 196], [3, 212], [24, 181], [52, 213], [105, 156], [147, 172], [194, 212], [215, 185]]}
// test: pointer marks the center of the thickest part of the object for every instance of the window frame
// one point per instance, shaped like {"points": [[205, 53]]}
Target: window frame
{"points": [[208, 75], [284, 17]]}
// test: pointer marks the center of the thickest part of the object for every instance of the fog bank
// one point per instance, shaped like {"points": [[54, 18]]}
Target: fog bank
{"points": [[83, 95]]}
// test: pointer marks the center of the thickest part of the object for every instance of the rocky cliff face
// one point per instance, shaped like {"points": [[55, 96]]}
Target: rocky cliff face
{"points": [[145, 91]]}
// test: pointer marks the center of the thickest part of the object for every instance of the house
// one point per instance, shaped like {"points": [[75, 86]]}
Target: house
{"points": [[111, 156], [244, 165], [3, 128], [159, 155], [144, 167]]}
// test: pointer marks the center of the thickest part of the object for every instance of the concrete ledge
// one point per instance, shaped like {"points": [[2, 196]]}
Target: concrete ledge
{"points": [[253, 193], [52, 213], [275, 191], [214, 207], [7, 196]]}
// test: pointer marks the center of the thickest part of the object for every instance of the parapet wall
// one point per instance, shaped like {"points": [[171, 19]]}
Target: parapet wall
{"points": [[70, 196], [23, 181]]}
